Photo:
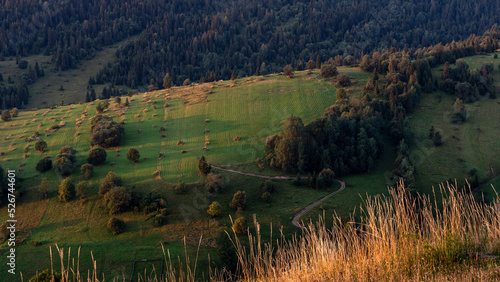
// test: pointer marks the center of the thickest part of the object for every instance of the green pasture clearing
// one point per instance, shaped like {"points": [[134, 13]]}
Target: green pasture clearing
{"points": [[473, 144]]}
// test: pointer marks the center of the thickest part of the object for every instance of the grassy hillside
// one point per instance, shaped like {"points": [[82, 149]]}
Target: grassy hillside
{"points": [[249, 108], [471, 145]]}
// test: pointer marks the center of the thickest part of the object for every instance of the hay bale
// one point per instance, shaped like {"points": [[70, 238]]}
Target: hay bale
{"points": [[144, 111], [161, 156], [77, 134], [207, 142], [180, 143], [206, 131], [156, 174], [33, 120], [153, 115], [206, 121], [47, 135], [183, 152], [236, 138], [137, 115]]}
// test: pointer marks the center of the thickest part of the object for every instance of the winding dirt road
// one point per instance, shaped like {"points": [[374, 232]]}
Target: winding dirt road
{"points": [[295, 220]]}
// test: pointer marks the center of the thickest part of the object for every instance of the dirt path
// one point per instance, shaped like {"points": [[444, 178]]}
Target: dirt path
{"points": [[256, 175], [295, 220]]}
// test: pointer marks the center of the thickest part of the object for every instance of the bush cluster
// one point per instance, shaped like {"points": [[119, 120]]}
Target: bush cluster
{"points": [[105, 132]]}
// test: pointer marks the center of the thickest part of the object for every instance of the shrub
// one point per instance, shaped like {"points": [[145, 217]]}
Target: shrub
{"points": [[105, 132], [214, 209], [215, 183], [117, 200], [343, 80], [159, 220], [44, 165], [186, 82], [44, 188], [240, 226], [6, 116], [40, 145], [101, 106], [133, 155], [14, 112], [105, 186], [63, 165], [288, 71], [328, 70], [87, 170], [180, 188], [239, 201], [325, 179], [310, 65], [203, 166], [97, 156], [81, 189], [116, 226], [47, 276], [266, 197], [114, 178], [66, 190], [67, 150]]}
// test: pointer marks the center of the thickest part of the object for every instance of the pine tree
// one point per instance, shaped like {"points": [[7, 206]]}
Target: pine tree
{"points": [[167, 81], [318, 62]]}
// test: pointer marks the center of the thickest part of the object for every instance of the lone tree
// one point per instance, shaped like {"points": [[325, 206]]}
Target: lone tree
{"points": [[44, 188], [117, 200], [81, 189], [87, 170], [325, 179], [341, 95], [460, 114], [343, 80], [40, 145], [167, 81], [65, 161], [437, 139], [97, 156], [14, 112], [105, 132], [328, 70], [318, 62], [239, 201], [310, 65], [203, 166], [44, 165], [66, 190], [101, 106], [6, 116], [288, 71], [116, 226], [240, 226], [133, 155], [214, 209]]}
